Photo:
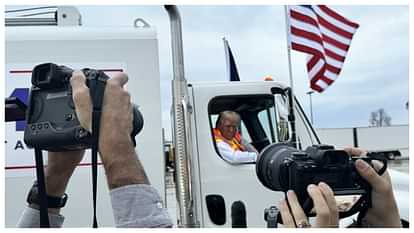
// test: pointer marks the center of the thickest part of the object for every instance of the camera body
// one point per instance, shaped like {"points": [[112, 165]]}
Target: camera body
{"points": [[281, 167], [52, 123]]}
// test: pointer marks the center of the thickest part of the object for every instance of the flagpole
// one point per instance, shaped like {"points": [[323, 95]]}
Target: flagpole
{"points": [[291, 93], [227, 56], [231, 63], [288, 46]]}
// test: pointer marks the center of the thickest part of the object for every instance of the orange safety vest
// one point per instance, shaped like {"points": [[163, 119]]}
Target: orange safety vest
{"points": [[234, 143]]}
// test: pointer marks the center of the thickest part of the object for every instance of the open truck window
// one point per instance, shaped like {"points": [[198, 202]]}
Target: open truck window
{"points": [[281, 113], [261, 122]]}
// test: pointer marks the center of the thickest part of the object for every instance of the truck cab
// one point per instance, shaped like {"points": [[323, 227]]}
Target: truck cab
{"points": [[263, 107], [218, 185]]}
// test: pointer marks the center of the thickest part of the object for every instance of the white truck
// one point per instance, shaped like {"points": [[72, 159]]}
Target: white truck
{"points": [[202, 176]]}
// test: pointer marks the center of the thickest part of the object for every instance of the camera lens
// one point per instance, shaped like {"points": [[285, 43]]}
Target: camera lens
{"points": [[138, 121], [269, 167]]}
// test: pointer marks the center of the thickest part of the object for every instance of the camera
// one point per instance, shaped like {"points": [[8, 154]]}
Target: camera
{"points": [[281, 167], [52, 123]]}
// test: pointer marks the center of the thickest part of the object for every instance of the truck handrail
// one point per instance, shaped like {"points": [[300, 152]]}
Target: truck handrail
{"points": [[189, 149], [180, 93]]}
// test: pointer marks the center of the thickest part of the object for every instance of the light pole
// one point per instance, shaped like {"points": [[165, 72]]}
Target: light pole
{"points": [[310, 104]]}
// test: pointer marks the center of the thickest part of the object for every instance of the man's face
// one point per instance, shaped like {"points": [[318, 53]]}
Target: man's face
{"points": [[229, 127]]}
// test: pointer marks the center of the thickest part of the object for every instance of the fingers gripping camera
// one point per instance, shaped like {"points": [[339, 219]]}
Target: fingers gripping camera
{"points": [[52, 123], [281, 167]]}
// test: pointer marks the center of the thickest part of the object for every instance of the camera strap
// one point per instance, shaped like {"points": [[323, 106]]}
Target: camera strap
{"points": [[41, 185], [96, 88]]}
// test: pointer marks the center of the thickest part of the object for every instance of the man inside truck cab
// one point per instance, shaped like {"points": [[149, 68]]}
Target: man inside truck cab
{"points": [[231, 146]]}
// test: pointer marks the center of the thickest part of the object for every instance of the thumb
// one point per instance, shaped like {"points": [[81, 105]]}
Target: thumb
{"points": [[81, 99], [369, 174], [119, 79], [78, 80]]}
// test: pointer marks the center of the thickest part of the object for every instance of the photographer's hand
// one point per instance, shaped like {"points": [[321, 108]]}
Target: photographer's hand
{"points": [[324, 204], [81, 99], [58, 171], [384, 211], [116, 149]]}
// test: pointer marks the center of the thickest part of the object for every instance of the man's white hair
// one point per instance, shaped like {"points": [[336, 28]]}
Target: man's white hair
{"points": [[226, 115]]}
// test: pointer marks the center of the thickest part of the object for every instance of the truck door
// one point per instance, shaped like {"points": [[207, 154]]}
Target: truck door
{"points": [[229, 185]]}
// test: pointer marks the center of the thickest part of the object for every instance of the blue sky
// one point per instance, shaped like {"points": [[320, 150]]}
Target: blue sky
{"points": [[375, 74]]}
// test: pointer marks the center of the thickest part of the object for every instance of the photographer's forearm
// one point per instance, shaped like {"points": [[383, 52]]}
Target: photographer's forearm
{"points": [[55, 186], [59, 169], [121, 163], [56, 182]]}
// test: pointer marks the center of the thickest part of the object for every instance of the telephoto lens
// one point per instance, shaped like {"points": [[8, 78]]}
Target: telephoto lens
{"points": [[269, 165]]}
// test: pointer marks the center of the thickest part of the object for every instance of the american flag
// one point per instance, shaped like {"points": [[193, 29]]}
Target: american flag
{"points": [[326, 36]]}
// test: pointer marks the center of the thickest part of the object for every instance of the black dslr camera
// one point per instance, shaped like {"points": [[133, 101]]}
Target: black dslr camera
{"points": [[52, 123], [281, 167]]}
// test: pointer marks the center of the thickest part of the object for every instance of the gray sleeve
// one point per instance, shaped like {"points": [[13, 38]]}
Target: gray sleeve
{"points": [[31, 218], [139, 205]]}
